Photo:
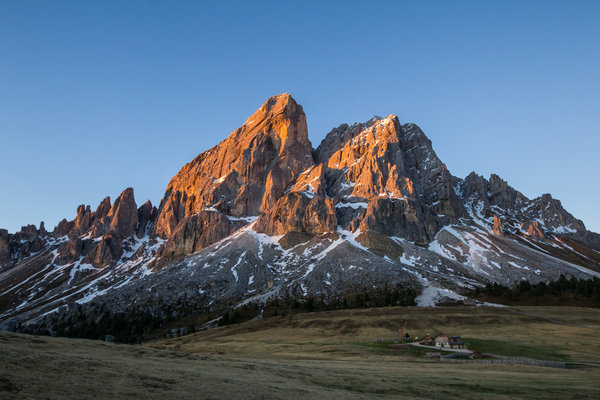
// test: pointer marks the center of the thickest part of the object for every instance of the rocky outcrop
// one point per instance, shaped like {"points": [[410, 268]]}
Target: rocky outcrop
{"points": [[497, 228], [488, 200], [5, 254], [297, 212], [123, 214], [63, 228], [433, 182], [311, 182], [380, 244], [98, 237], [294, 238], [120, 218], [483, 195], [532, 229], [553, 214], [365, 161], [245, 174], [197, 231], [384, 160], [401, 218], [502, 195], [25, 243], [82, 221], [100, 220], [108, 249], [70, 251], [589, 238], [146, 215]]}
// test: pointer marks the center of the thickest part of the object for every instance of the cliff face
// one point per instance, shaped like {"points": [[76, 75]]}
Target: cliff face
{"points": [[245, 174], [379, 176], [265, 213]]}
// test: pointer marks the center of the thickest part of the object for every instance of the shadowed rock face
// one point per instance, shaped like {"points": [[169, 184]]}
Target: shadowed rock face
{"points": [[123, 214], [246, 173], [13, 248], [380, 244], [4, 247], [196, 232], [109, 248], [400, 218], [146, 215], [296, 212]]}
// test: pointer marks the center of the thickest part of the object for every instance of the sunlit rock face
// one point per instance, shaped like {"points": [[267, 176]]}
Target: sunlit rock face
{"points": [[533, 230], [245, 174], [497, 228], [123, 214], [385, 177]]}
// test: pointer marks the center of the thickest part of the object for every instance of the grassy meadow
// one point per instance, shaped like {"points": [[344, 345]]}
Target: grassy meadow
{"points": [[331, 354]]}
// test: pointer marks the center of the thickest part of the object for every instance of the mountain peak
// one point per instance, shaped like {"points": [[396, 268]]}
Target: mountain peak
{"points": [[247, 172], [282, 100], [372, 205], [279, 104]]}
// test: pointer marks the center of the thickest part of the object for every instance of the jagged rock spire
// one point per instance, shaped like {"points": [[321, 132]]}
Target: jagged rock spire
{"points": [[246, 173]]}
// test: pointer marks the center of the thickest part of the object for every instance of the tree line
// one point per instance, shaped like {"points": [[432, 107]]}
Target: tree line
{"points": [[560, 292], [97, 321], [384, 296], [153, 320]]}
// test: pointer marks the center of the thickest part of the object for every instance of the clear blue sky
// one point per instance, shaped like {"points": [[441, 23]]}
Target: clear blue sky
{"points": [[96, 96]]}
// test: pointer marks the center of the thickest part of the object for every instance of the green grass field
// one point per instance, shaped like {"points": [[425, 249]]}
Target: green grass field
{"points": [[318, 355]]}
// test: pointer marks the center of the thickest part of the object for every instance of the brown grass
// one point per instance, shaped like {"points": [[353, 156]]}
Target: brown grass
{"points": [[314, 355]]}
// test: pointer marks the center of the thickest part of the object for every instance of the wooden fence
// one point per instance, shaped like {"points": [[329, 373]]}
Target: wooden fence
{"points": [[507, 360]]}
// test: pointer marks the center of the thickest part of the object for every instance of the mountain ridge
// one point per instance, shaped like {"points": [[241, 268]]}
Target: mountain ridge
{"points": [[263, 214]]}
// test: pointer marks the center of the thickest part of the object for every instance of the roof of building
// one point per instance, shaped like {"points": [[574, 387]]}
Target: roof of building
{"points": [[456, 340]]}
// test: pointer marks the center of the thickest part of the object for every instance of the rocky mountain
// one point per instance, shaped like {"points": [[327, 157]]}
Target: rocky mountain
{"points": [[264, 215]]}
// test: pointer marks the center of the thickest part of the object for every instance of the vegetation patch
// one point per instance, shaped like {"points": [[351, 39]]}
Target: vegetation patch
{"points": [[516, 349], [562, 292]]}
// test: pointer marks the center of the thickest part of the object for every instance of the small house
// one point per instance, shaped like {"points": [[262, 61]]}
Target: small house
{"points": [[428, 340], [456, 342], [442, 341]]}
